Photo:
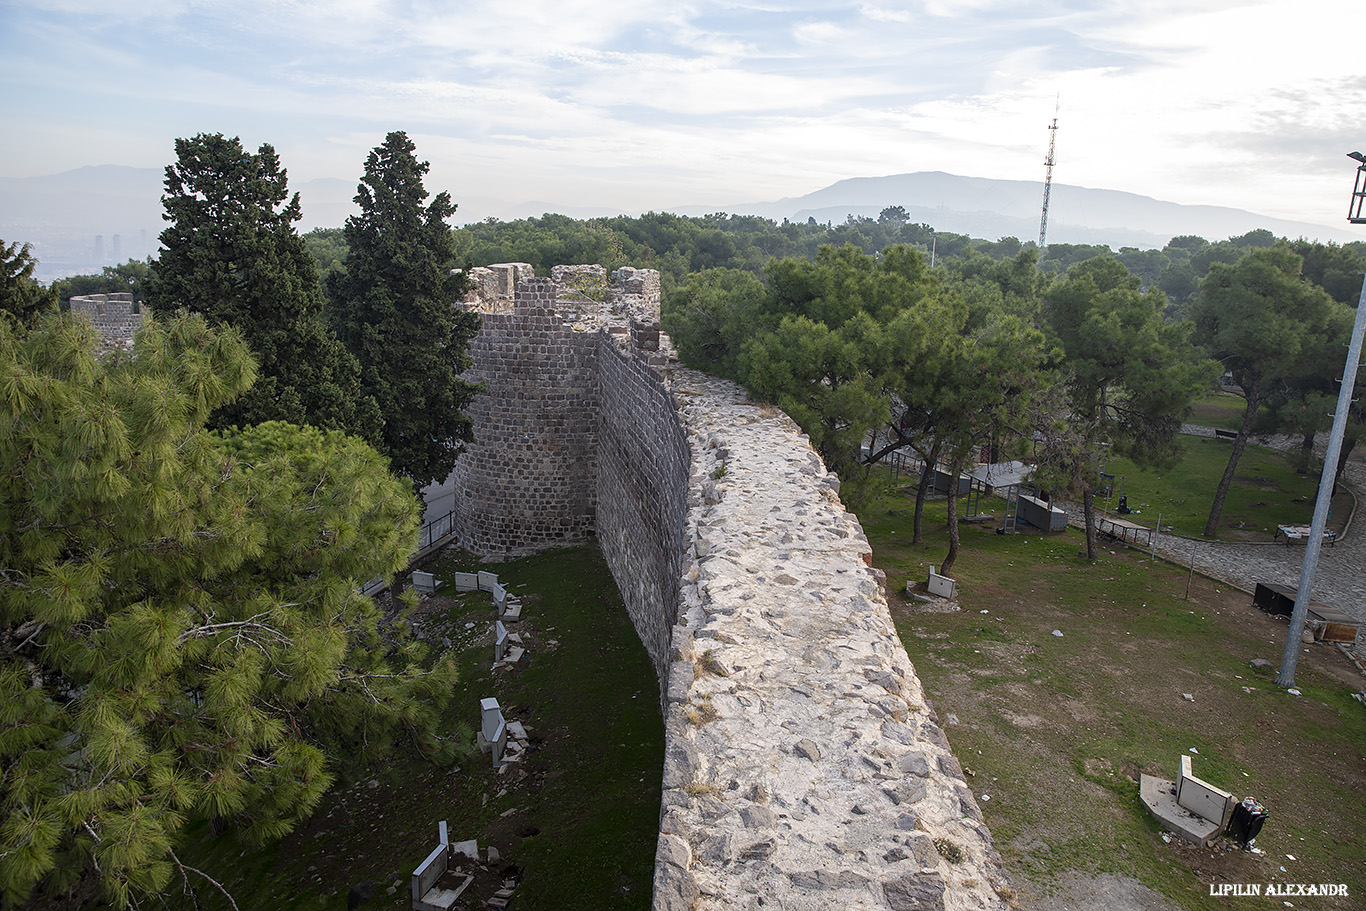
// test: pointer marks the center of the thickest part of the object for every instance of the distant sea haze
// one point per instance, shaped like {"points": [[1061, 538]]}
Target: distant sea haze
{"points": [[62, 215]]}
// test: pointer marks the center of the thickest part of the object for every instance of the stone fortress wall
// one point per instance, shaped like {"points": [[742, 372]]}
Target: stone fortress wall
{"points": [[803, 766], [113, 316]]}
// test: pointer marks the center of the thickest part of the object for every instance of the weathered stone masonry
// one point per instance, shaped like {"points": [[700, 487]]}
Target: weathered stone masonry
{"points": [[803, 766], [114, 316], [531, 484]]}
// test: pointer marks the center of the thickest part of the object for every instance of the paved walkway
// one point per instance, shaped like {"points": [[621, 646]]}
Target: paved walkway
{"points": [[1341, 577]]}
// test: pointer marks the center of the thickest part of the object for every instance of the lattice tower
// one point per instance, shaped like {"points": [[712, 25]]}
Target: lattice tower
{"points": [[1048, 177]]}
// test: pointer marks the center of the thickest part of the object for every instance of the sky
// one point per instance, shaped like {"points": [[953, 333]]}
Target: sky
{"points": [[661, 103]]}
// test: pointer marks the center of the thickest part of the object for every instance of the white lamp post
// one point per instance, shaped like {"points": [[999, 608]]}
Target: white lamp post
{"points": [[1325, 498]]}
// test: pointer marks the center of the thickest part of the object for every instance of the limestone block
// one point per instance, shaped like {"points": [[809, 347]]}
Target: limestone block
{"points": [[906, 791], [915, 892], [680, 763], [674, 850], [674, 888], [914, 763], [757, 817]]}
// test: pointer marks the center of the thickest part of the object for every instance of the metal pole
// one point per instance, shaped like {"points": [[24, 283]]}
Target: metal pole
{"points": [[1153, 555], [1291, 655]]}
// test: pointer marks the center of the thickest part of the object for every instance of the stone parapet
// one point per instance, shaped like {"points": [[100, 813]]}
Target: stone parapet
{"points": [[803, 766]]}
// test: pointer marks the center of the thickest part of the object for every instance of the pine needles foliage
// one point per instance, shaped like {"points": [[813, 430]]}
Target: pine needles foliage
{"points": [[181, 631]]}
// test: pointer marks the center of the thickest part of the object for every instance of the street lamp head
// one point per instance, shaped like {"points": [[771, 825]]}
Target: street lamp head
{"points": [[1356, 211]]}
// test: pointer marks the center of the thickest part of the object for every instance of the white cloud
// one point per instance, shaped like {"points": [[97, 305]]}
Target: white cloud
{"points": [[1220, 101], [819, 33], [883, 14]]}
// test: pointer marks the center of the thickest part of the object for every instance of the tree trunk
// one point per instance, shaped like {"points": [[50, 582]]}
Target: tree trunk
{"points": [[923, 490], [1348, 444], [1306, 460], [953, 525], [1238, 446], [1088, 508]]}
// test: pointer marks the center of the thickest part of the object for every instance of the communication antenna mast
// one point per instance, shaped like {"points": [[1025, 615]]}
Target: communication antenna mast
{"points": [[1048, 175]]}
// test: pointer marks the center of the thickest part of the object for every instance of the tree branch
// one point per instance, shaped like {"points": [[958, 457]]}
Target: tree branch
{"points": [[216, 884]]}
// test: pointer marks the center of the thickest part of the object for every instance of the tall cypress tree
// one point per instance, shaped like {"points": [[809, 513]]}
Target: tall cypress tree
{"points": [[231, 253], [392, 307]]}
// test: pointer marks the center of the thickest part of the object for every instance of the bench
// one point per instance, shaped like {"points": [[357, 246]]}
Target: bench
{"points": [[1221, 434], [1293, 533]]}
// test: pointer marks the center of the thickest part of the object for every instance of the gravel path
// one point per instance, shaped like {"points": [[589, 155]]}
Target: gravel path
{"points": [[1341, 577]]}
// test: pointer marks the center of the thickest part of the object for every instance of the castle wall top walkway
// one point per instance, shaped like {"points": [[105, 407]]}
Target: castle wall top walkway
{"points": [[804, 768]]}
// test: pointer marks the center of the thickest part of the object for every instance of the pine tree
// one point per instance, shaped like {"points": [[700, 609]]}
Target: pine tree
{"points": [[1268, 327], [231, 253], [181, 635], [1129, 375], [22, 299], [392, 306]]}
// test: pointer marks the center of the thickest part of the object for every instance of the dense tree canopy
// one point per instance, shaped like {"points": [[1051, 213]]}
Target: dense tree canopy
{"points": [[129, 278], [1129, 375], [392, 306], [1268, 326], [231, 253], [181, 634], [855, 347]]}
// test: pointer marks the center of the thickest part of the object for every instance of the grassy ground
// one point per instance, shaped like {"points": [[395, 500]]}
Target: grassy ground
{"points": [[579, 818], [1219, 409], [1056, 729], [1266, 491]]}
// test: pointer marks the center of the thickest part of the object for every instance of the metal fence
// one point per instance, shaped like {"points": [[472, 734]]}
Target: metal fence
{"points": [[435, 530]]}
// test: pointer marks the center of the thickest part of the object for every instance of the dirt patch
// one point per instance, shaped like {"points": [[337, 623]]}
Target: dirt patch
{"points": [[1075, 892], [1058, 730]]}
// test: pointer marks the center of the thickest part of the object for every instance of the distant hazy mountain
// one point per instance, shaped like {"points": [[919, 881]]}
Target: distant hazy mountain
{"points": [[81, 220], [983, 207]]}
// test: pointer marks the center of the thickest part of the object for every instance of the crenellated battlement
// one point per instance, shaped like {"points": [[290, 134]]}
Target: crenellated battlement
{"points": [[584, 295]]}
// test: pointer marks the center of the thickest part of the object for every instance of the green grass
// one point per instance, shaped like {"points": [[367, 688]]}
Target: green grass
{"points": [[1057, 728], [1266, 491], [589, 699], [1219, 409]]}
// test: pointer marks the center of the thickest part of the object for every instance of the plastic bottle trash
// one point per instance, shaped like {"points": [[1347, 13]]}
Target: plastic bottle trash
{"points": [[1058, 633]]}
